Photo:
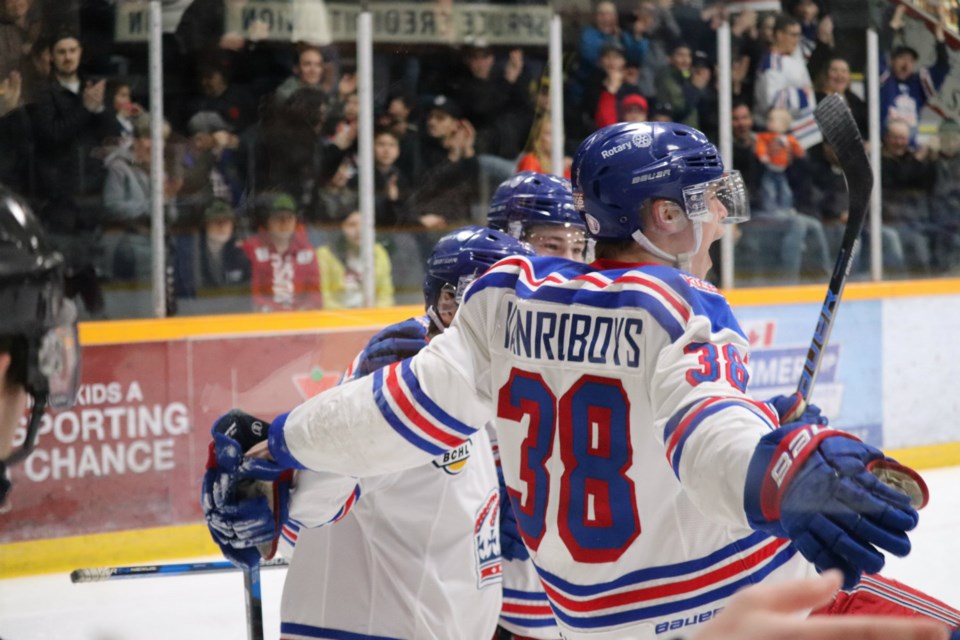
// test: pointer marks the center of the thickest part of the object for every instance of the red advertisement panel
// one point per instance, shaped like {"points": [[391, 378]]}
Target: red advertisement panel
{"points": [[131, 453]]}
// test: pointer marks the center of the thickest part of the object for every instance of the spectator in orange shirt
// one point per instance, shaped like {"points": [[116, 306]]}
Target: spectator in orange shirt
{"points": [[537, 154], [776, 148]]}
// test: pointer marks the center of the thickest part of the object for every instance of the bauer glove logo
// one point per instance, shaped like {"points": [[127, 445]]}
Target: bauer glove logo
{"points": [[781, 468]]}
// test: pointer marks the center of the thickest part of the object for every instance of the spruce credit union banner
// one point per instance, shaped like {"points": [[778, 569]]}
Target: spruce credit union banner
{"points": [[393, 22]]}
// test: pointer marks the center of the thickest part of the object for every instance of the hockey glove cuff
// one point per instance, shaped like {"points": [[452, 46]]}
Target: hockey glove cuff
{"points": [[277, 441], [787, 406], [813, 485]]}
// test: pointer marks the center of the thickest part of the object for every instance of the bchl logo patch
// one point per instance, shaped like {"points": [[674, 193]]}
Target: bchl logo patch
{"points": [[455, 460], [486, 535]]}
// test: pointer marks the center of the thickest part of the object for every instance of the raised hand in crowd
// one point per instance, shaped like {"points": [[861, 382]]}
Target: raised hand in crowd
{"points": [[514, 66], [460, 145], [11, 90], [93, 96]]}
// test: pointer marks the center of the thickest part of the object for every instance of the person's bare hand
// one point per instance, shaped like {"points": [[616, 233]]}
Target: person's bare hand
{"points": [[825, 30], [514, 65], [772, 611], [11, 90], [896, 22], [433, 221], [744, 22], [613, 81], [700, 77], [235, 41], [345, 136], [462, 141], [393, 189], [347, 85], [93, 95]]}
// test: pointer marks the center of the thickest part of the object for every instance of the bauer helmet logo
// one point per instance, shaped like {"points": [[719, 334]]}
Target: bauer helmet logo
{"points": [[593, 225], [257, 428]]}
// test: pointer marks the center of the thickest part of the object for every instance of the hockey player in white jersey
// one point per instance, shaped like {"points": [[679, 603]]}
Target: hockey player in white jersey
{"points": [[648, 486], [412, 554], [537, 209]]}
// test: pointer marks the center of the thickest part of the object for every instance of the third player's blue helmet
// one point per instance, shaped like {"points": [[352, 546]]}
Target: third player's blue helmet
{"points": [[538, 208], [463, 255], [619, 168], [529, 198]]}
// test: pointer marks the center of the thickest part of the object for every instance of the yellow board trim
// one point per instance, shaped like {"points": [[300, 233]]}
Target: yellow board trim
{"points": [[148, 546], [128, 331], [181, 328]]}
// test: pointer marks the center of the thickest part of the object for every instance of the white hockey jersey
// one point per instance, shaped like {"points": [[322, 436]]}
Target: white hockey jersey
{"points": [[624, 430], [783, 81], [410, 555]]}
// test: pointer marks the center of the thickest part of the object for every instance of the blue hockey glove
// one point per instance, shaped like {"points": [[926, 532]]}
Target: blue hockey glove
{"points": [[511, 544], [395, 343], [786, 406], [244, 500], [814, 485]]}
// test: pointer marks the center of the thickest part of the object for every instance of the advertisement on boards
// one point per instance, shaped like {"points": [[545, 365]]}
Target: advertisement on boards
{"points": [[849, 380], [132, 451]]}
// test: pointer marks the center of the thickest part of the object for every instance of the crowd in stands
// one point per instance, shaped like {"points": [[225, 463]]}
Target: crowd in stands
{"points": [[261, 183]]}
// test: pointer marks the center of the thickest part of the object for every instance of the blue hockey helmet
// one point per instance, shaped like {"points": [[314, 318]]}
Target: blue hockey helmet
{"points": [[538, 208], [462, 256], [620, 167], [529, 198]]}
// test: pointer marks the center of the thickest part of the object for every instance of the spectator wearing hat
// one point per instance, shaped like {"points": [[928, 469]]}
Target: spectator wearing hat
{"points": [[341, 269], [603, 98], [209, 164], [449, 186], [684, 85], [285, 275], [633, 108], [904, 88], [495, 100], [211, 262]]}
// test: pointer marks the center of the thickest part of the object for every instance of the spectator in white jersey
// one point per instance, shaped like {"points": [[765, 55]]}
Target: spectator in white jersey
{"points": [[39, 349], [647, 484], [421, 547]]}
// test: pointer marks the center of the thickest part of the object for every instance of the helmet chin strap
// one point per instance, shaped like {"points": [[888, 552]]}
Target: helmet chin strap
{"points": [[681, 261], [435, 319]]}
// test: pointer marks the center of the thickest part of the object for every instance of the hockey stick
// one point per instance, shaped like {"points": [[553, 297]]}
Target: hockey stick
{"points": [[840, 130], [251, 592], [100, 574]]}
